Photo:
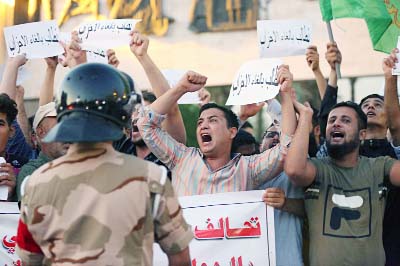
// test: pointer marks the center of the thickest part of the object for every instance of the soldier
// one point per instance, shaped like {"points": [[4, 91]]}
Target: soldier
{"points": [[96, 206]]}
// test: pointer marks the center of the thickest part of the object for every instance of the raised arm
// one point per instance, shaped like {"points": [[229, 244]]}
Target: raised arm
{"points": [[9, 80], [173, 124], [285, 78], [391, 98], [333, 56], [269, 164], [22, 117], [190, 82], [73, 53], [299, 170], [47, 90], [312, 58]]}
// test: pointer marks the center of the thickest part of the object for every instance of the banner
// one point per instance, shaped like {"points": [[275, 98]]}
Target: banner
{"points": [[36, 40], [229, 228], [280, 38], [256, 81], [9, 216]]}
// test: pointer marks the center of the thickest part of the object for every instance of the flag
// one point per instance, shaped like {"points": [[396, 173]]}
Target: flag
{"points": [[379, 16]]}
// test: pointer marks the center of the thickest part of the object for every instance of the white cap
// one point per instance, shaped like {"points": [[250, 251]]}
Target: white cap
{"points": [[47, 110]]}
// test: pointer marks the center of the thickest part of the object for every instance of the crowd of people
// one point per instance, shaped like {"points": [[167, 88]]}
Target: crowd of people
{"points": [[331, 173]]}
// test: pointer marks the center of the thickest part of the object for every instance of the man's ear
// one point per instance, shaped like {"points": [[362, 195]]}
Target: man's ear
{"points": [[233, 131], [362, 134], [317, 131]]}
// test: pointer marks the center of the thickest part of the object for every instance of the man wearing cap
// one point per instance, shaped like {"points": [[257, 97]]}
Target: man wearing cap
{"points": [[45, 119], [96, 206]]}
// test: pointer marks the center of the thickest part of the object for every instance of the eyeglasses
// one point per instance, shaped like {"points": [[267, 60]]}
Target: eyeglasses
{"points": [[271, 134]]}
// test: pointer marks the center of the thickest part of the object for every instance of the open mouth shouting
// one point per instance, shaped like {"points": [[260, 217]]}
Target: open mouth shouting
{"points": [[337, 136], [134, 126], [206, 138], [371, 114]]}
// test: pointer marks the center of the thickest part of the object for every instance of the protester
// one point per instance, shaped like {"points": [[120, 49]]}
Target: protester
{"points": [[213, 168], [134, 144], [390, 118], [45, 120], [73, 197], [344, 201], [10, 168], [244, 143], [17, 144], [288, 203]]}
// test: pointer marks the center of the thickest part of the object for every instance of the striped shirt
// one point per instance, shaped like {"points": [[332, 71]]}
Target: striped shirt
{"points": [[191, 174]]}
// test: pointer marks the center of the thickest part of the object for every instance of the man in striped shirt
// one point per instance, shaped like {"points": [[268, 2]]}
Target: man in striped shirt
{"points": [[213, 168]]}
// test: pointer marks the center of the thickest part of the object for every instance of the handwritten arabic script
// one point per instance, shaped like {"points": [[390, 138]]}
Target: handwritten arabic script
{"points": [[106, 34], [36, 40], [278, 38], [256, 81]]}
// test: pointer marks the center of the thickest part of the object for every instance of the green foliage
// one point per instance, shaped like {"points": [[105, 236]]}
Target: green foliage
{"points": [[190, 112]]}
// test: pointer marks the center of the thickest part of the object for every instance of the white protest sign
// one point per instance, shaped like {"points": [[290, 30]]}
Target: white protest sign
{"points": [[97, 56], [94, 55], [396, 71], [173, 76], [106, 34], [9, 216], [256, 81], [36, 40], [229, 228], [279, 38]]}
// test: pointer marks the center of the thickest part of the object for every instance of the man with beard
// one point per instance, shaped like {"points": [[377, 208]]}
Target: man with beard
{"points": [[344, 199]]}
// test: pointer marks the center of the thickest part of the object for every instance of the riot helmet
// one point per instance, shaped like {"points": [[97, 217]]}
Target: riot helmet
{"points": [[90, 105]]}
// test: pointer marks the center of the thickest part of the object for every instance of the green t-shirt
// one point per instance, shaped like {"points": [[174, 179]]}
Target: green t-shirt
{"points": [[345, 209], [28, 169]]}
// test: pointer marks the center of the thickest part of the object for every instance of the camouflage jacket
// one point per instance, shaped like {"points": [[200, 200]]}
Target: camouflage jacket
{"points": [[95, 207]]}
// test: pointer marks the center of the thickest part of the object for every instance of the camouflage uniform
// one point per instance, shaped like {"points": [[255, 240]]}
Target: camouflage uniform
{"points": [[95, 207]]}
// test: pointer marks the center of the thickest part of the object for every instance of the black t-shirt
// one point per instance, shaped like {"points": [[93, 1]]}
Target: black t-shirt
{"points": [[125, 145], [391, 223]]}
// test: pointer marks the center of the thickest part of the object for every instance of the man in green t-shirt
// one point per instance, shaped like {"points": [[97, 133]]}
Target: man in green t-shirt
{"points": [[345, 195], [45, 120]]}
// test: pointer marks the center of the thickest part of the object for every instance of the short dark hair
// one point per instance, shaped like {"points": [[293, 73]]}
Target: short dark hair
{"points": [[8, 107], [149, 96], [361, 116], [243, 138], [374, 95], [247, 124], [231, 118]]}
